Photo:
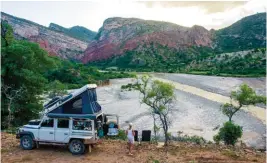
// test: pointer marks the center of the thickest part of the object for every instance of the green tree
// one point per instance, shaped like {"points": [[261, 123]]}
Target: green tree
{"points": [[244, 96], [11, 97], [56, 88], [23, 65], [6, 34], [158, 96]]}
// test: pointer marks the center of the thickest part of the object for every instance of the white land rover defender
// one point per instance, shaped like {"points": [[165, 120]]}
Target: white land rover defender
{"points": [[76, 120], [77, 133]]}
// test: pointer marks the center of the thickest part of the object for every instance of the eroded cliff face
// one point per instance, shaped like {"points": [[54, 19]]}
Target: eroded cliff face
{"points": [[120, 34], [55, 43]]}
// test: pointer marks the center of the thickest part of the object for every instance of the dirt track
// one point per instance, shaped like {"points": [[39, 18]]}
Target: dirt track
{"points": [[115, 152]]}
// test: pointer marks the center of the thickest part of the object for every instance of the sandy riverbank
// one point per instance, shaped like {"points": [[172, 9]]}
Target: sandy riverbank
{"points": [[256, 111], [196, 112]]}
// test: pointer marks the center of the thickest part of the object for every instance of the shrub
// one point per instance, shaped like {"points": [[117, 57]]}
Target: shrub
{"points": [[229, 133], [187, 138], [129, 87], [230, 153], [216, 138], [120, 136]]}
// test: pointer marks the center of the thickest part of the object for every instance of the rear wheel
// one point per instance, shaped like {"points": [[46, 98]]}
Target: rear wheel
{"points": [[76, 147], [26, 142]]}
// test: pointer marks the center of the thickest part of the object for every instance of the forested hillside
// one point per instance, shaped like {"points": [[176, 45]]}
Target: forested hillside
{"points": [[78, 32], [196, 60], [247, 33]]}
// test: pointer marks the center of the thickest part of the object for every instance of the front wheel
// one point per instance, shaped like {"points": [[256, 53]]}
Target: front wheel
{"points": [[26, 142], [76, 147]]}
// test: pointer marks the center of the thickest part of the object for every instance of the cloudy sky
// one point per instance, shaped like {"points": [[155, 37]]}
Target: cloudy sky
{"points": [[91, 14]]}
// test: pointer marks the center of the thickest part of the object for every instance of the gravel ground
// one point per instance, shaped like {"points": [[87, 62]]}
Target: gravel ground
{"points": [[193, 115], [216, 84]]}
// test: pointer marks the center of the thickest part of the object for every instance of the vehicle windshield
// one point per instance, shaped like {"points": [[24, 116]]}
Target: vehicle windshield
{"points": [[34, 122], [85, 125]]}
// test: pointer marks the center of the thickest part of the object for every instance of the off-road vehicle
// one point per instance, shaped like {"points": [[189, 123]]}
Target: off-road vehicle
{"points": [[74, 120]]}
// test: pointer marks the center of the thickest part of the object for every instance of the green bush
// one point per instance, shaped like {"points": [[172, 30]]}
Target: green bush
{"points": [[229, 133], [187, 138], [216, 138], [121, 136]]}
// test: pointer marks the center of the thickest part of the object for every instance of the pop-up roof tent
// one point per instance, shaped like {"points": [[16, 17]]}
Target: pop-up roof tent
{"points": [[82, 103]]}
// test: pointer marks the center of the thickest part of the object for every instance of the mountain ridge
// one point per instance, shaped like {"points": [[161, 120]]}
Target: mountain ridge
{"points": [[118, 35], [145, 40], [55, 43], [78, 32]]}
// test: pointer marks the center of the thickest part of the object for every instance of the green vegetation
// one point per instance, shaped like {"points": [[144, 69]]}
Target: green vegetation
{"points": [[56, 88], [158, 96], [121, 135], [245, 40], [194, 60], [247, 33], [23, 66], [78, 32], [229, 133], [187, 138], [28, 72], [249, 63], [244, 96], [75, 75]]}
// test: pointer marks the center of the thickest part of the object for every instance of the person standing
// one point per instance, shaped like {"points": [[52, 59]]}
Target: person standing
{"points": [[130, 136]]}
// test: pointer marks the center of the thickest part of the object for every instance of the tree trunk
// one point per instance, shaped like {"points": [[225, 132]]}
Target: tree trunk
{"points": [[230, 118], [166, 138], [166, 131], [155, 131], [165, 128], [9, 117]]}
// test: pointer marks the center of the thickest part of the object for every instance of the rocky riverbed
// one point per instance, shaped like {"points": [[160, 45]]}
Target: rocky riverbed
{"points": [[193, 114]]}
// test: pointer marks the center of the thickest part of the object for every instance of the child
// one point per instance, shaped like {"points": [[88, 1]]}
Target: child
{"points": [[130, 136]]}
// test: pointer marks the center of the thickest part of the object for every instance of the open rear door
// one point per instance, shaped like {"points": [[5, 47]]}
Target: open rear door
{"points": [[111, 126]]}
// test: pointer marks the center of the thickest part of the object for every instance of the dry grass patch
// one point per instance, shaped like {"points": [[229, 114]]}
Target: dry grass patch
{"points": [[230, 153], [26, 158]]}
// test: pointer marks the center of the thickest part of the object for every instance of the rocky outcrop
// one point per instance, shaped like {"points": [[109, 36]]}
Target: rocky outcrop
{"points": [[54, 42], [120, 34]]}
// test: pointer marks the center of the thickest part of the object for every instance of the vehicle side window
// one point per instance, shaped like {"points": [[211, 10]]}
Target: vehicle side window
{"points": [[82, 125], [48, 123], [62, 123]]}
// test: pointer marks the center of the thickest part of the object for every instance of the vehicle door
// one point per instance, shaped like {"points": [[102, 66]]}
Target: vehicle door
{"points": [[62, 130], [46, 131]]}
